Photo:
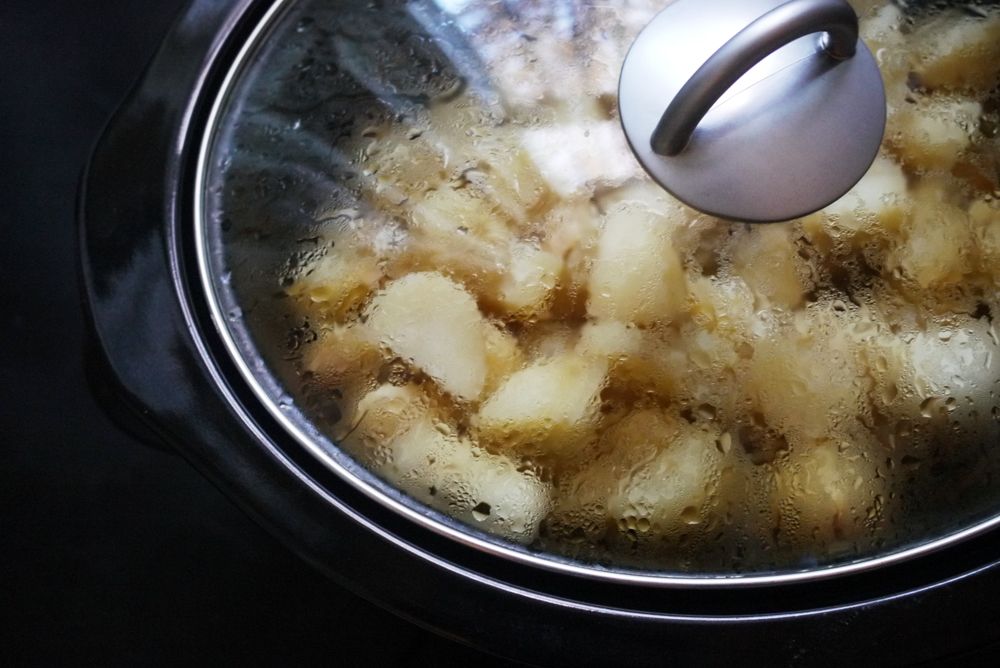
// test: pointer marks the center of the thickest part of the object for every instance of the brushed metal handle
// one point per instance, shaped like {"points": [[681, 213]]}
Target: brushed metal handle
{"points": [[786, 23]]}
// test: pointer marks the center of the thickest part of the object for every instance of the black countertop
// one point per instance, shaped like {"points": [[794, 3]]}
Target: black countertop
{"points": [[115, 553]]}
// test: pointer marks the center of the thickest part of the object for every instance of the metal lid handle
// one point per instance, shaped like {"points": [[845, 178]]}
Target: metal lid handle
{"points": [[770, 32]]}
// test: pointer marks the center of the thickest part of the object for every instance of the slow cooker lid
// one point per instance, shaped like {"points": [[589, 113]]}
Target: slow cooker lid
{"points": [[342, 131]]}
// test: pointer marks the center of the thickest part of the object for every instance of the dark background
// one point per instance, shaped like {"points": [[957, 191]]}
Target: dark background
{"points": [[112, 552]]}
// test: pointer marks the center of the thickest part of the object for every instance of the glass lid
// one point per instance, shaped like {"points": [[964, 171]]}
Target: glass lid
{"points": [[433, 256]]}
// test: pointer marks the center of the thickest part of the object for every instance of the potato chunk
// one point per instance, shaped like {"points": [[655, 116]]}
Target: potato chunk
{"points": [[571, 233], [382, 415], [765, 257], [637, 276], [877, 202], [433, 323], [527, 286], [338, 282], [419, 452], [985, 219], [656, 476], [958, 52], [830, 496], [503, 355], [676, 487], [548, 339], [343, 361], [401, 166], [937, 249], [933, 133], [724, 306], [610, 340], [494, 161], [545, 407], [575, 157], [654, 369], [482, 489], [460, 234], [806, 380], [956, 371], [452, 213]]}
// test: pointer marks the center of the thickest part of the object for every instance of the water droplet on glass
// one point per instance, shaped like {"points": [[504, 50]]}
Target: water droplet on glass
{"points": [[481, 512], [690, 515]]}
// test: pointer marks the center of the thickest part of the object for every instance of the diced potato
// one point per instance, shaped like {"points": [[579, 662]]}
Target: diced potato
{"points": [[955, 51], [700, 240], [503, 356], [491, 159], [655, 369], [543, 75], [433, 323], [609, 340], [338, 282], [581, 502], [343, 360], [956, 370], [516, 72], [934, 377], [573, 225], [341, 355], [707, 372], [460, 234], [571, 233], [576, 157], [549, 339], [881, 29], [515, 182], [656, 477], [527, 286], [937, 248], [877, 202], [485, 490], [695, 364], [724, 306], [707, 364], [401, 164], [806, 380], [386, 412], [765, 257], [676, 487], [830, 496], [864, 8], [605, 62], [637, 276], [546, 407], [985, 220], [933, 133], [643, 192], [452, 214], [399, 434], [381, 416]]}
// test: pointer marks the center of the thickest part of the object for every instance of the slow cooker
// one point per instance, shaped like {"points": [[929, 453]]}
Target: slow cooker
{"points": [[228, 154]]}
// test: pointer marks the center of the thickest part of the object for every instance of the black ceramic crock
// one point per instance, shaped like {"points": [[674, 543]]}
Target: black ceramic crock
{"points": [[168, 378]]}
